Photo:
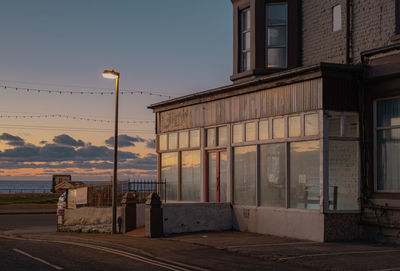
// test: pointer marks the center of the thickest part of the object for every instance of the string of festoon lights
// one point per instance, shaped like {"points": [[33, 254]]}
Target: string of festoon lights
{"points": [[86, 92], [8, 116]]}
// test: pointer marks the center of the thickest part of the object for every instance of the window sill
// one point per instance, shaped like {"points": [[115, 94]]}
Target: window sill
{"points": [[395, 38], [250, 74]]}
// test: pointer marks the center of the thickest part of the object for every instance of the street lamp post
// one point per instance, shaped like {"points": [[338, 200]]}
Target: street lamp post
{"points": [[114, 75]]}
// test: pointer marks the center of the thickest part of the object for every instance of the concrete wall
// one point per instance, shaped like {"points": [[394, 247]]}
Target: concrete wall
{"points": [[96, 219], [194, 217], [294, 223], [89, 219]]}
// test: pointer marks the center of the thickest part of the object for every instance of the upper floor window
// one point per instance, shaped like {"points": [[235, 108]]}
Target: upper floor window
{"points": [[245, 40], [276, 35]]}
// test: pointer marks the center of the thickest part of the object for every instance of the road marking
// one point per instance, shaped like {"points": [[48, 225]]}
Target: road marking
{"points": [[37, 259], [159, 263], [339, 253], [389, 269], [266, 245]]}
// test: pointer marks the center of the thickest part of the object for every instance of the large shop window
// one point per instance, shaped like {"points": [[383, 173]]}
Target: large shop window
{"points": [[272, 175], [305, 175], [388, 145], [245, 176], [169, 174], [190, 185]]}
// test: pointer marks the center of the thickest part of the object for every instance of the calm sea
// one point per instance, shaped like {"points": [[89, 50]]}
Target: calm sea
{"points": [[12, 187]]}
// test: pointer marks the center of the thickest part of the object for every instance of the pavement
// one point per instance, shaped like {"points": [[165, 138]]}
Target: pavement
{"points": [[232, 250], [18, 209]]}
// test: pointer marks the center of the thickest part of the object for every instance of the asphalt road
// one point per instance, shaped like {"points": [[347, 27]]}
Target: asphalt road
{"points": [[28, 223], [41, 255]]}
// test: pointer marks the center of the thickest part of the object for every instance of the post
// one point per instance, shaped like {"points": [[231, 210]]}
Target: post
{"points": [[114, 185]]}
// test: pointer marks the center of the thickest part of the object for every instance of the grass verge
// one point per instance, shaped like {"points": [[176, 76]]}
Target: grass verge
{"points": [[42, 198]]}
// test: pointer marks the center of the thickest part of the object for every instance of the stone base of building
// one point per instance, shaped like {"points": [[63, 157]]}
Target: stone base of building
{"points": [[296, 223]]}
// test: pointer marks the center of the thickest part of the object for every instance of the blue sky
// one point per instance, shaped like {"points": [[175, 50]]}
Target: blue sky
{"points": [[172, 47]]}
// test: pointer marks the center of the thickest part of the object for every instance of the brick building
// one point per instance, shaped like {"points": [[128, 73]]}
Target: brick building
{"points": [[306, 140]]}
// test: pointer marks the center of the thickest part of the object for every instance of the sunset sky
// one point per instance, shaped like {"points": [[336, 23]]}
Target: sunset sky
{"points": [[161, 48]]}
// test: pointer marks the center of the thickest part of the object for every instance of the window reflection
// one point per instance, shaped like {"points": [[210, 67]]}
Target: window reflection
{"points": [[190, 186], [251, 131], [311, 126], [183, 139], [294, 126], [169, 174], [305, 175], [162, 142], [272, 175], [173, 141], [263, 130], [237, 133], [245, 168], [278, 128], [194, 138]]}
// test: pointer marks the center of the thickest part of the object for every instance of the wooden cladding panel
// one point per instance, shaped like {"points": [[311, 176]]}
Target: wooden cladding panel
{"points": [[299, 97]]}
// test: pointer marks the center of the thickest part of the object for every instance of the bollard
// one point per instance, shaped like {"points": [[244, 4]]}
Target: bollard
{"points": [[153, 216], [128, 212]]}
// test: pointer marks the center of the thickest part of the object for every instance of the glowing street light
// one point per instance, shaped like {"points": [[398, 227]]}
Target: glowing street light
{"points": [[114, 75]]}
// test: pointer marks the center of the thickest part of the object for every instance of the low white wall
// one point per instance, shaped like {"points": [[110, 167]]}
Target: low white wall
{"points": [[89, 219], [194, 217], [294, 223]]}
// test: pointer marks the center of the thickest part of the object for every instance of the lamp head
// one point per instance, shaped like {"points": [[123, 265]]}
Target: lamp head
{"points": [[110, 74]]}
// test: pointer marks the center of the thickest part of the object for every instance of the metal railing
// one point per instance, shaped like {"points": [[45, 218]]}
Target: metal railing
{"points": [[100, 194]]}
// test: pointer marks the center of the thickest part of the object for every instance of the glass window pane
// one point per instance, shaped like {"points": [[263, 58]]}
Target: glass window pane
{"points": [[222, 136], [190, 187], [277, 14], [276, 58], [251, 131], [388, 112], [343, 175], [245, 19], [237, 133], [162, 142], [245, 65], [246, 41], [311, 126], [388, 160], [169, 174], [183, 139], [245, 168], [212, 177], [223, 170], [351, 124], [263, 129], [304, 175], [294, 126], [272, 175], [194, 138], [278, 128], [334, 124], [277, 36], [172, 141], [211, 137]]}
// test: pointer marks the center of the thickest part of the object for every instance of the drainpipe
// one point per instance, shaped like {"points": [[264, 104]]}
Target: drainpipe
{"points": [[349, 31]]}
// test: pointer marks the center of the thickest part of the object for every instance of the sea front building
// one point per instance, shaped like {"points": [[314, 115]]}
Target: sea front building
{"points": [[305, 142]]}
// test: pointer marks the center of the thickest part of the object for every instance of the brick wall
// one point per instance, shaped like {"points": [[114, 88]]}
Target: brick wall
{"points": [[373, 26]]}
